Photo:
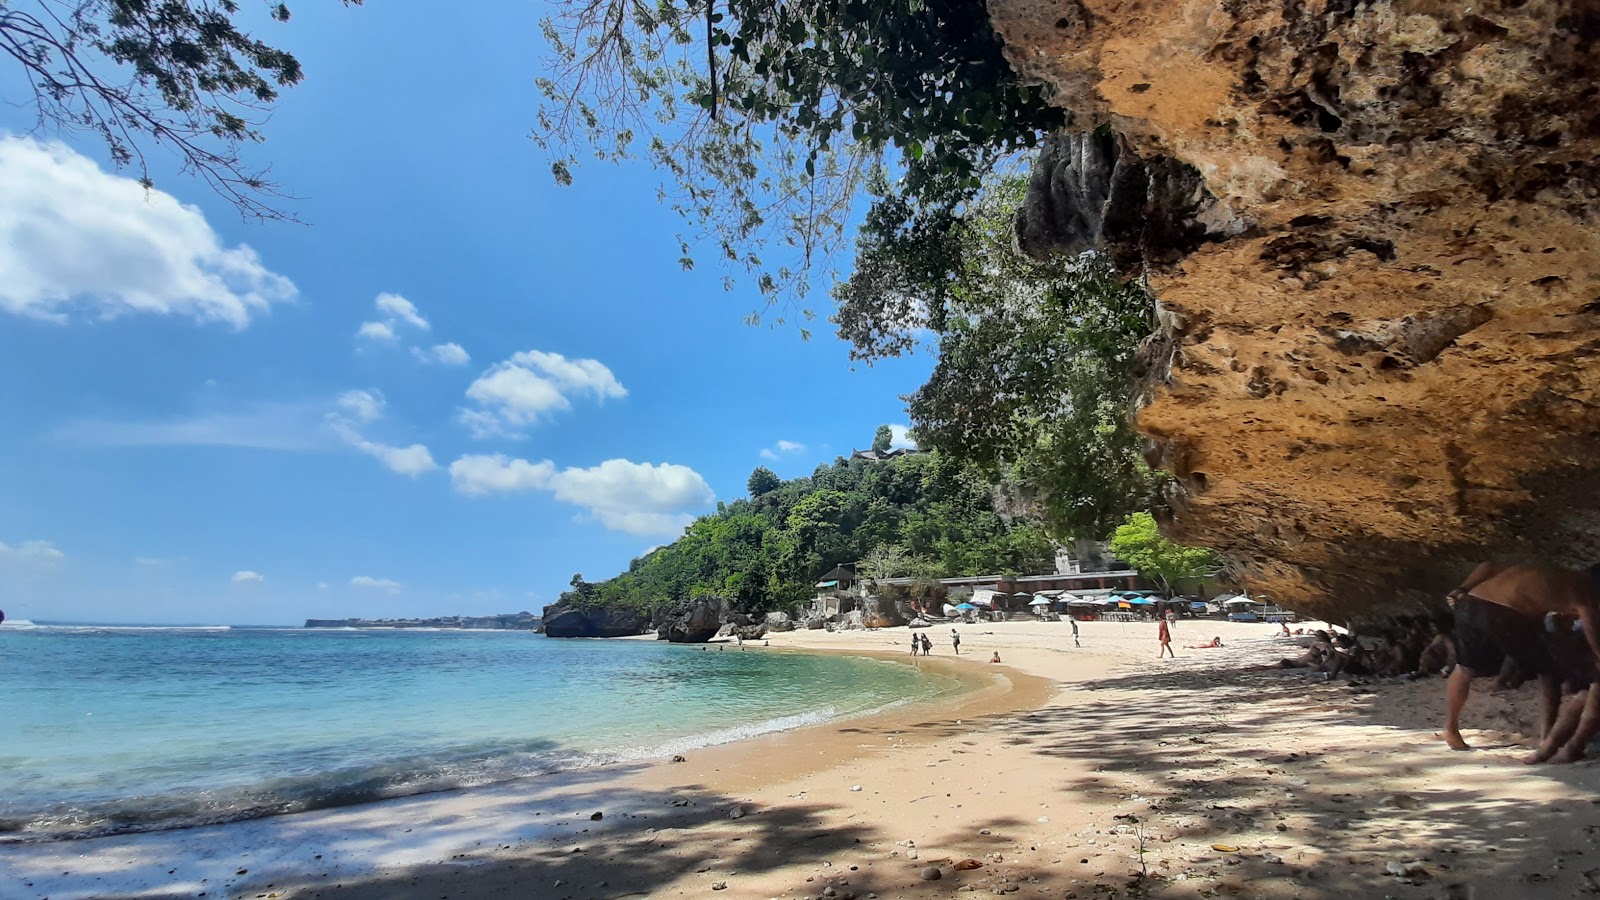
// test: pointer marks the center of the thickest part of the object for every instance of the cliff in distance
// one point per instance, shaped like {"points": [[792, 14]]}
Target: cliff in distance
{"points": [[521, 621], [1371, 229]]}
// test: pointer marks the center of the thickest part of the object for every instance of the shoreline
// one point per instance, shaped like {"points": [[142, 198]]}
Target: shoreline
{"points": [[53, 866], [1120, 775]]}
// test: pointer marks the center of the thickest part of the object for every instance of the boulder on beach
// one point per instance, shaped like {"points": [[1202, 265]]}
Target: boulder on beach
{"points": [[693, 621], [565, 621], [779, 621]]}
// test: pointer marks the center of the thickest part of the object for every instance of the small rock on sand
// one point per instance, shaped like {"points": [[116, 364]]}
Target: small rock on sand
{"points": [[855, 787], [932, 873], [597, 817]]}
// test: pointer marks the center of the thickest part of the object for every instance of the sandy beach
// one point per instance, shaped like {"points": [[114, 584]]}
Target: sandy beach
{"points": [[1065, 772]]}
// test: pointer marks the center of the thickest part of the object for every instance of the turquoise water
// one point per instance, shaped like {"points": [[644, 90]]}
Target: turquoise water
{"points": [[105, 730]]}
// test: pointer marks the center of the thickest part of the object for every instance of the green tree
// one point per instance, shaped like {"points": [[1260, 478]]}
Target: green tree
{"points": [[762, 481], [884, 561], [1036, 362], [177, 74], [883, 439], [1139, 543], [770, 119]]}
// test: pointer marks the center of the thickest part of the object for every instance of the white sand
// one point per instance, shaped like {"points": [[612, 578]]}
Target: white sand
{"points": [[1051, 776]]}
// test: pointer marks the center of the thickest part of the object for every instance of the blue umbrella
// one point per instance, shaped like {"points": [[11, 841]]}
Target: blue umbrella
{"points": [[1141, 601], [965, 606]]}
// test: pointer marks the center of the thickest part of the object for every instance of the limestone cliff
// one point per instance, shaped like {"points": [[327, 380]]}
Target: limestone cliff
{"points": [[1371, 229]]}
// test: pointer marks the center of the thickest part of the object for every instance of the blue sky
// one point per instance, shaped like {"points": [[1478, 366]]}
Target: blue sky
{"points": [[455, 387]]}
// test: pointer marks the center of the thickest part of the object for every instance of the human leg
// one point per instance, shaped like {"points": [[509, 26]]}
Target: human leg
{"points": [[1456, 692], [1588, 726], [1559, 733]]}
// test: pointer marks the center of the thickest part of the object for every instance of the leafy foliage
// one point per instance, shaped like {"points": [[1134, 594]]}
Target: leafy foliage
{"points": [[771, 119], [1139, 543], [1035, 371], [177, 73], [883, 439], [763, 481], [921, 514]]}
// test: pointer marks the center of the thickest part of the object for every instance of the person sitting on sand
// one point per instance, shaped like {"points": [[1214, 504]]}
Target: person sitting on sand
{"points": [[996, 657], [1285, 627], [1321, 646], [1500, 613], [1208, 645]]}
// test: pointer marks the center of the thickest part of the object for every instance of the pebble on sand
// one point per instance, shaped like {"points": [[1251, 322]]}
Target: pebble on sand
{"points": [[932, 873]]}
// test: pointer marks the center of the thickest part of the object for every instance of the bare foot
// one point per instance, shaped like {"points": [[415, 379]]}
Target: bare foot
{"points": [[1542, 755], [1456, 742], [1567, 755]]}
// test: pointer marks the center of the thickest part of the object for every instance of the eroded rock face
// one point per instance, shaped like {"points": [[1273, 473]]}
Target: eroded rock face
{"points": [[1379, 365]]}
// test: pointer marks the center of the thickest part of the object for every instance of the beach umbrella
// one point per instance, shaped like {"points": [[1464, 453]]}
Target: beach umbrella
{"points": [[1042, 601], [1111, 601], [965, 606], [1141, 601], [1239, 601], [1079, 601]]}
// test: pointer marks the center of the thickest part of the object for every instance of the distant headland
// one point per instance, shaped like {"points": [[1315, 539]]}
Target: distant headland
{"points": [[521, 621]]}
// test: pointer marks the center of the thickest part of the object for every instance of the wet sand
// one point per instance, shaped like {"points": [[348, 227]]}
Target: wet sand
{"points": [[1051, 776]]}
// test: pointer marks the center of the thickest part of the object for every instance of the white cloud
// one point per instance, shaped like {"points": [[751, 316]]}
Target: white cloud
{"points": [[279, 426], [476, 475], [31, 553], [74, 238], [900, 438], [409, 461], [362, 406], [149, 562], [782, 448], [520, 391], [248, 577], [377, 331], [443, 354], [400, 309], [377, 584], [393, 310], [637, 498]]}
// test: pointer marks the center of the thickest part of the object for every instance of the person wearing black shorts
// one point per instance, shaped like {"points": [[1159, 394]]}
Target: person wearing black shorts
{"points": [[1486, 634]]}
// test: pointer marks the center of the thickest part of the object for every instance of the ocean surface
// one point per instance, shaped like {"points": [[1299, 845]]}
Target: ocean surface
{"points": [[117, 729]]}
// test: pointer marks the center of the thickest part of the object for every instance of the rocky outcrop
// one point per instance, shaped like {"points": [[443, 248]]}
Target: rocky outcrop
{"points": [[693, 621], [1380, 304], [564, 621], [779, 621]]}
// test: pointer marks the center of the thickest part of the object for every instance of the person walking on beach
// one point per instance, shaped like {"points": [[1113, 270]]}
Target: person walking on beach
{"points": [[916, 643], [955, 640], [1074, 632], [1165, 637], [927, 645]]}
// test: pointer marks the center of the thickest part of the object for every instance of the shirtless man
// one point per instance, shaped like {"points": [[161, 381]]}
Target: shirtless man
{"points": [[1500, 612]]}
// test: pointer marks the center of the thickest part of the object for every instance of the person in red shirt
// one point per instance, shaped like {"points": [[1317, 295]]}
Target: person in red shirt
{"points": [[1165, 637]]}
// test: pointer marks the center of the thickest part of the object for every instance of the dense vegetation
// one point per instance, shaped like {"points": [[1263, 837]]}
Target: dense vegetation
{"points": [[923, 514], [1036, 358]]}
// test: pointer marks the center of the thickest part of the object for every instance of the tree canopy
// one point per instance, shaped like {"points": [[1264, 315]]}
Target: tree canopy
{"points": [[883, 439], [1036, 359], [762, 481], [771, 120], [1138, 542], [175, 74], [920, 514]]}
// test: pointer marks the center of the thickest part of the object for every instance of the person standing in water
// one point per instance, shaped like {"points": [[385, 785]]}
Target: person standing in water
{"points": [[927, 645], [1165, 637]]}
